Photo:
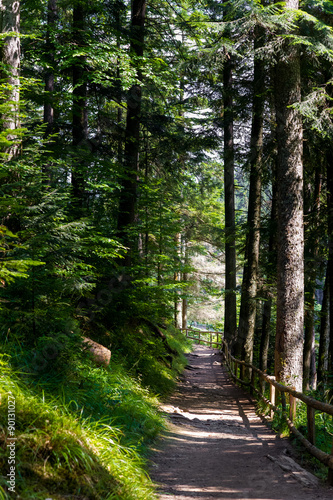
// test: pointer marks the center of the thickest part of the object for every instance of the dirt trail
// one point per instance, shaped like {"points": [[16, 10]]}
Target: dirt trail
{"points": [[216, 446]]}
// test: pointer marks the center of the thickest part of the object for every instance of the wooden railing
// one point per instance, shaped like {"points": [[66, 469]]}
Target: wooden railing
{"points": [[210, 338], [238, 369]]}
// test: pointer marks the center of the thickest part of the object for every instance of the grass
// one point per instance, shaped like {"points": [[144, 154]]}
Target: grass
{"points": [[60, 451], [323, 434], [323, 437], [146, 356], [83, 434]]}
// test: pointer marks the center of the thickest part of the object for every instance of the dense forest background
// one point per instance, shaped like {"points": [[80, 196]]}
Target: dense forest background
{"points": [[166, 163], [138, 139]]}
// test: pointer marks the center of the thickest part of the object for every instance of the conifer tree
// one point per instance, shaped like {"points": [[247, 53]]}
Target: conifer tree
{"points": [[49, 76], [9, 74], [330, 253], [324, 342], [290, 272], [79, 111], [247, 316], [128, 197], [312, 196], [230, 314]]}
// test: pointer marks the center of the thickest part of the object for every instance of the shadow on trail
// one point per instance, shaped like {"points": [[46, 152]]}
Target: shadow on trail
{"points": [[210, 467], [216, 446]]}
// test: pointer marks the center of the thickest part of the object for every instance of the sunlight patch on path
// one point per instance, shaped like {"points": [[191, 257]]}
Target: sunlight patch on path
{"points": [[216, 447]]}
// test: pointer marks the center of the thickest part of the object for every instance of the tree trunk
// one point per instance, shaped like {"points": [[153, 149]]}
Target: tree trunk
{"points": [[265, 333], [290, 266], [272, 253], [49, 79], [80, 115], [230, 320], [313, 202], [177, 278], [247, 317], [185, 278], [330, 255], [309, 339], [10, 57], [324, 333], [49, 76], [267, 309], [120, 14], [128, 197]]}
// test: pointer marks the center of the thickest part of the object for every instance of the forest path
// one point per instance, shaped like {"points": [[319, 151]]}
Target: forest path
{"points": [[216, 447]]}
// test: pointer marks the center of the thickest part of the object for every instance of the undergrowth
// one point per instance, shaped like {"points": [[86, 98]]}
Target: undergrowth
{"points": [[83, 433], [323, 433], [323, 437]]}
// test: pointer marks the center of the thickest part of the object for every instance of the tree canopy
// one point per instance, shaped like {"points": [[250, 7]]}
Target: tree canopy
{"points": [[170, 161]]}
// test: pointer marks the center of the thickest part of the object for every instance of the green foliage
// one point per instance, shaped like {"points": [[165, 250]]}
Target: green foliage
{"points": [[77, 422], [58, 451], [63, 266], [317, 111], [323, 431], [12, 268], [150, 357]]}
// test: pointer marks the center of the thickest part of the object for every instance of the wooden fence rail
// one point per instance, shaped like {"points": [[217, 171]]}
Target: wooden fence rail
{"points": [[237, 367], [200, 336]]}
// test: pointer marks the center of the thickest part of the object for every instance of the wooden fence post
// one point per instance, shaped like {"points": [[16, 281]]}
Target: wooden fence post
{"points": [[253, 374], [292, 406], [311, 424], [330, 471], [272, 397], [262, 385]]}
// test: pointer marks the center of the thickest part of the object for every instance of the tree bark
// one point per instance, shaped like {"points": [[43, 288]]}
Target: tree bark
{"points": [[267, 309], [313, 202], [230, 320], [185, 279], [330, 254], [49, 79], [127, 215], [49, 76], [247, 317], [290, 266], [80, 114], [10, 58], [120, 14], [272, 250], [177, 278], [324, 341]]}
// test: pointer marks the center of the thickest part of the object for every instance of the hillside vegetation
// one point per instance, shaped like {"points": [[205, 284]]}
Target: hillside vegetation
{"points": [[81, 430]]}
